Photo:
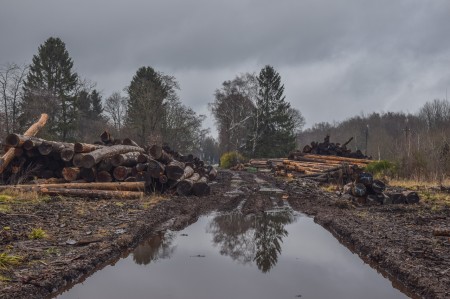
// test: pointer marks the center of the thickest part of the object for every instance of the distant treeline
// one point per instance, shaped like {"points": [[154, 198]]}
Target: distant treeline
{"points": [[418, 144]]}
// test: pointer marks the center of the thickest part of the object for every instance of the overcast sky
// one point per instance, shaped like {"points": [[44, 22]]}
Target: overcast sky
{"points": [[336, 58]]}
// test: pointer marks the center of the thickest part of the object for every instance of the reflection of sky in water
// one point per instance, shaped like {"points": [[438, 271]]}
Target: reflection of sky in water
{"points": [[312, 263]]}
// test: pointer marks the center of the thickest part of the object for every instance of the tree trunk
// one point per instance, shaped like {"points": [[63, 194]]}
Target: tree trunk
{"points": [[92, 193], [85, 147], [17, 140], [155, 169], [127, 159], [359, 190], [67, 154], [32, 131], [103, 176], [114, 186], [47, 147], [92, 158], [120, 173], [77, 160], [411, 197], [88, 174], [71, 173], [143, 158], [175, 170], [201, 187], [184, 187]]}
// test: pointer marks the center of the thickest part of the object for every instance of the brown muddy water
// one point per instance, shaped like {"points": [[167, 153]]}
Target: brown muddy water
{"points": [[280, 254]]}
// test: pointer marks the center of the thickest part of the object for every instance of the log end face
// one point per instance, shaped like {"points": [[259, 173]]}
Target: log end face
{"points": [[88, 161]]}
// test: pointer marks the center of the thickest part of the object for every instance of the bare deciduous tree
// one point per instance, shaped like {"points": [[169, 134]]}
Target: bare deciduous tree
{"points": [[11, 82], [116, 108]]}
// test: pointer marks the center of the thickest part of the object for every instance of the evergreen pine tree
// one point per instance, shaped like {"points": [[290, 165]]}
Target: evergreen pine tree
{"points": [[50, 87], [273, 133], [96, 105], [149, 93]]}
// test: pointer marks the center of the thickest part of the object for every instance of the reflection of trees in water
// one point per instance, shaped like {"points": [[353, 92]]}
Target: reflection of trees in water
{"points": [[251, 238], [155, 248]]}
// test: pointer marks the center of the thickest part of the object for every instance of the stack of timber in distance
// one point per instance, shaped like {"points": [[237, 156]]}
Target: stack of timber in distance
{"points": [[366, 190], [329, 148], [105, 169], [320, 168]]}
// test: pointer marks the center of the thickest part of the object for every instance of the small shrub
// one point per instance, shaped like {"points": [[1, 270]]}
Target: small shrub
{"points": [[37, 233], [381, 168], [7, 260], [231, 159]]}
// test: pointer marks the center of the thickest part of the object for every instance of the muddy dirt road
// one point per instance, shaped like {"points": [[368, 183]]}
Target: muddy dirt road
{"points": [[83, 235]]}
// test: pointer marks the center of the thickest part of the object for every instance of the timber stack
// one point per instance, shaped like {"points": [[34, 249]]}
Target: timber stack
{"points": [[107, 168], [367, 190], [324, 162]]}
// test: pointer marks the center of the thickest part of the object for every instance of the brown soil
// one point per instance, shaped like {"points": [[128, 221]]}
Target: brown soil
{"points": [[85, 235]]}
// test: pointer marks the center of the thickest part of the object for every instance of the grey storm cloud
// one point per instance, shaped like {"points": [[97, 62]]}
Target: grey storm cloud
{"points": [[336, 58]]}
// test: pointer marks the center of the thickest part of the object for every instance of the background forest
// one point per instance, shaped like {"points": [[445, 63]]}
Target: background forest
{"points": [[251, 112]]}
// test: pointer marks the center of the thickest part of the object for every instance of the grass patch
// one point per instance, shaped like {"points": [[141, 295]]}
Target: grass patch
{"points": [[8, 260], [37, 233], [152, 200]]}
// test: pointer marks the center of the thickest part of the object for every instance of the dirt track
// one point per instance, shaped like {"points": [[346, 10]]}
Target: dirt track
{"points": [[85, 235]]}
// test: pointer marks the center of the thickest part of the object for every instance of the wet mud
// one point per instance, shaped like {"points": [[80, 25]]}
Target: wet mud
{"points": [[85, 235]]}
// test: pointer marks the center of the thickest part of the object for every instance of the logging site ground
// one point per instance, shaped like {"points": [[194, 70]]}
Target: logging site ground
{"points": [[253, 236]]}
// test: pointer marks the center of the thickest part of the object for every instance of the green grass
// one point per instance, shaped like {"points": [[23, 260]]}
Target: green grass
{"points": [[7, 260], [37, 233]]}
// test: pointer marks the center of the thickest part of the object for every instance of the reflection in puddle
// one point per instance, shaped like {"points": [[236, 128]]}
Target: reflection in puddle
{"points": [[280, 254], [156, 248], [252, 238]]}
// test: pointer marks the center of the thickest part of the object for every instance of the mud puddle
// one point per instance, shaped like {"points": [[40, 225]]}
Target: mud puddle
{"points": [[277, 254]]}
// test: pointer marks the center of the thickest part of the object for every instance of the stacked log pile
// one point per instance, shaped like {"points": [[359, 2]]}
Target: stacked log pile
{"points": [[329, 148], [323, 169], [366, 190], [108, 168]]}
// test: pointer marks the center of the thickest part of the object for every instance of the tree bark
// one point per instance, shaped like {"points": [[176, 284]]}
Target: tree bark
{"points": [[103, 176], [155, 168], [201, 187], [92, 158], [71, 173], [47, 147], [32, 131], [184, 187], [127, 159], [114, 186], [120, 173], [85, 147], [175, 170]]}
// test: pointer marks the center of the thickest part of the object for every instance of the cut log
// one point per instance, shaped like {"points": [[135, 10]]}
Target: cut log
{"points": [[365, 178], [159, 154], [17, 140], [128, 141], [155, 168], [397, 198], [120, 173], [115, 186], [47, 147], [163, 179], [175, 170], [77, 160], [188, 172], [201, 187], [127, 159], [411, 197], [212, 174], [67, 154], [141, 166], [103, 176], [359, 190], [71, 173], [85, 147], [143, 158], [92, 193], [32, 131], [106, 138], [184, 187], [105, 165], [378, 186], [88, 174], [92, 158]]}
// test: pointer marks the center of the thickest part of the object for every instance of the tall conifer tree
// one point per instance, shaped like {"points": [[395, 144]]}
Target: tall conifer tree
{"points": [[50, 87]]}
